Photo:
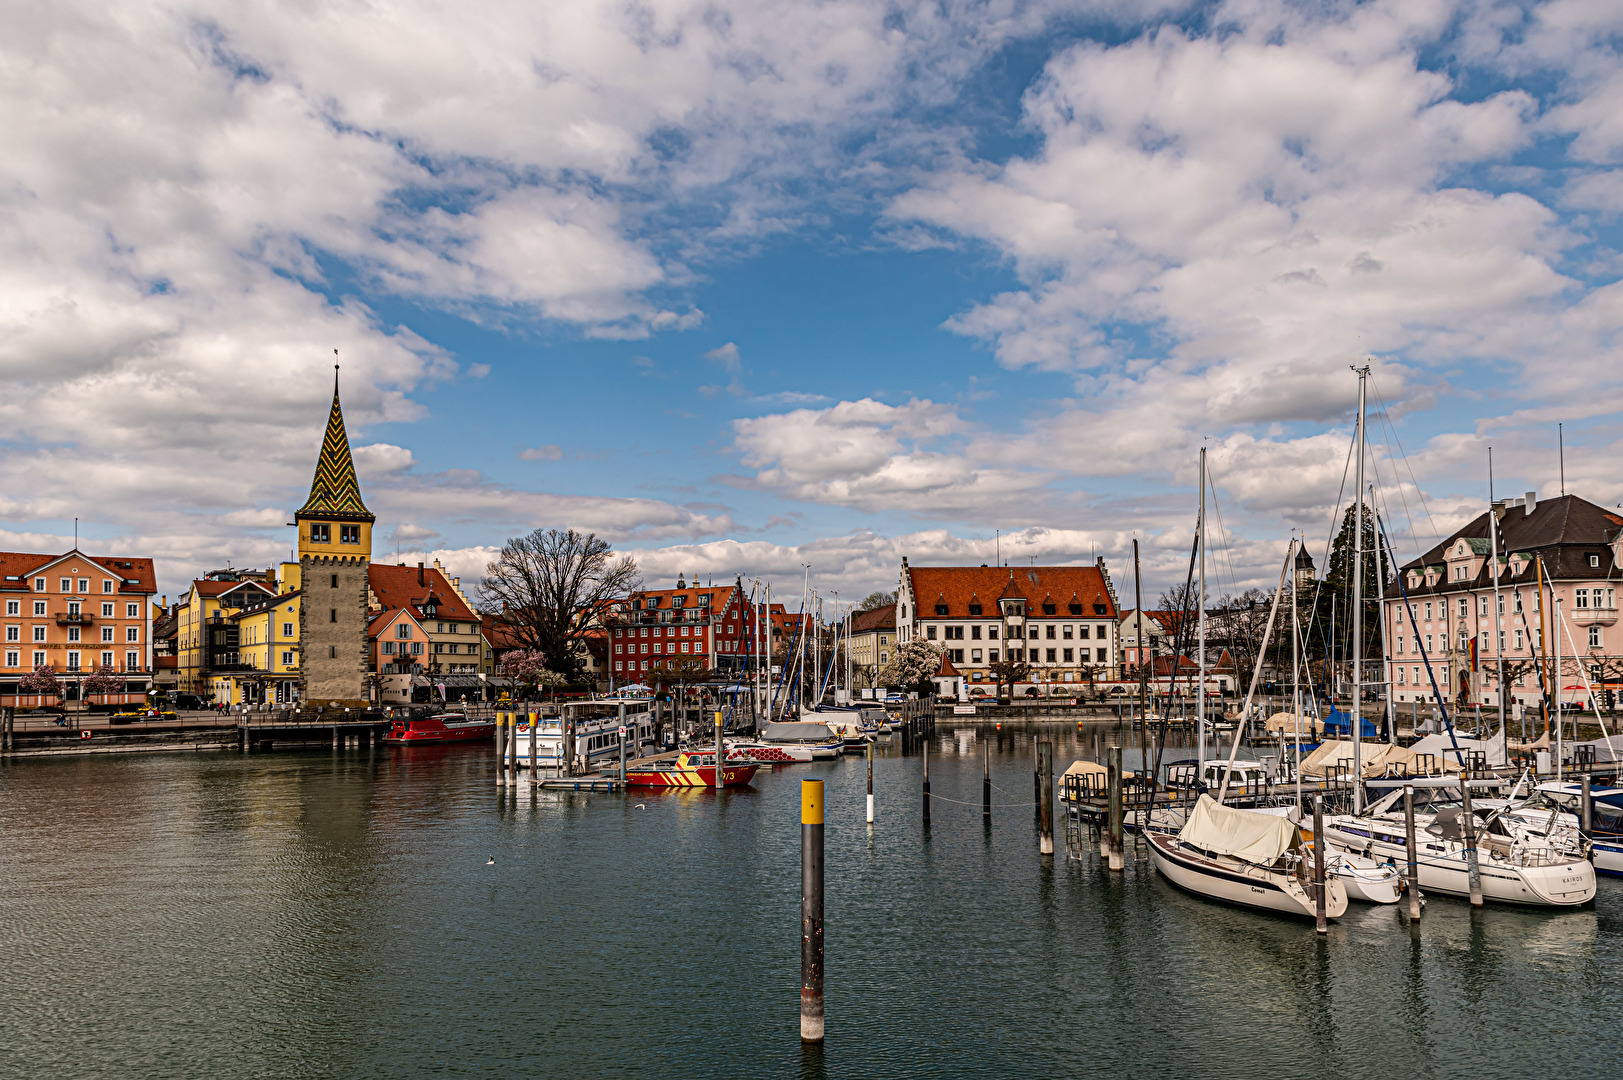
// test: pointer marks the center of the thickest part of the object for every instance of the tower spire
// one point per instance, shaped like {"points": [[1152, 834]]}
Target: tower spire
{"points": [[335, 491]]}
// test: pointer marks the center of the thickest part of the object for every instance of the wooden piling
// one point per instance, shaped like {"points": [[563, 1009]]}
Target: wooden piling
{"points": [[1473, 870], [1113, 779], [811, 911], [1036, 780], [512, 749], [501, 749], [870, 783], [1586, 805], [1045, 802], [1321, 922], [721, 754], [926, 748], [986, 783], [1414, 852]]}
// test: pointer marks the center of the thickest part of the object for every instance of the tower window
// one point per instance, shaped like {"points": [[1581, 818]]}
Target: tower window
{"points": [[332, 652], [334, 615], [335, 581], [320, 532], [349, 534]]}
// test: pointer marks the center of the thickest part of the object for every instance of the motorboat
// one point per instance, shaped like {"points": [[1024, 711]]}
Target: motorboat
{"points": [[440, 728], [694, 769], [1517, 863], [795, 738], [1606, 820], [772, 753], [1364, 878], [1242, 857]]}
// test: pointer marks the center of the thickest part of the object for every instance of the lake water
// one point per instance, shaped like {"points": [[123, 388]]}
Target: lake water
{"points": [[331, 914]]}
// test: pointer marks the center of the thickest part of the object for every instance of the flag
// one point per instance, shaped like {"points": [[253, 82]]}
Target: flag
{"points": [[1473, 653]]}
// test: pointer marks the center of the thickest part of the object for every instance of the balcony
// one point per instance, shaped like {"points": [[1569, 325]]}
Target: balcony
{"points": [[1593, 616], [70, 618]]}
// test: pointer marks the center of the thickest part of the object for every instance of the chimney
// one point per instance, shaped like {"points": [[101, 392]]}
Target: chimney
{"points": [[1530, 502], [420, 580]]}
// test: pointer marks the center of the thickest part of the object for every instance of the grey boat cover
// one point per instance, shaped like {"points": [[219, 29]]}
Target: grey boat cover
{"points": [[794, 733]]}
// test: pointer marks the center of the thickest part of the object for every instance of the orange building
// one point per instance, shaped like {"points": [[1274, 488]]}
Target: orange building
{"points": [[75, 613]]}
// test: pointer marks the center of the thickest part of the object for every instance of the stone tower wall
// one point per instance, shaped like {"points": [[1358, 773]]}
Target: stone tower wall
{"points": [[332, 631]]}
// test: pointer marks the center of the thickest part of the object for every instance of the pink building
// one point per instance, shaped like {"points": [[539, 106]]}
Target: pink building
{"points": [[75, 613], [1450, 634]]}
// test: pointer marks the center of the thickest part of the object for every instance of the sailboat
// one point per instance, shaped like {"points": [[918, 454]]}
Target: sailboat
{"points": [[1243, 857]]}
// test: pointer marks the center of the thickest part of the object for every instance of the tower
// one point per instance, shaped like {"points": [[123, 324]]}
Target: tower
{"points": [[335, 550], [1306, 575]]}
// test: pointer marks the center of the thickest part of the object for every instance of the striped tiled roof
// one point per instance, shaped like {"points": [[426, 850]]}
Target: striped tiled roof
{"points": [[335, 491]]}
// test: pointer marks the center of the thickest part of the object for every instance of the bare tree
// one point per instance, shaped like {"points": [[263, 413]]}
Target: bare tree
{"points": [[550, 587], [1009, 672], [876, 600]]}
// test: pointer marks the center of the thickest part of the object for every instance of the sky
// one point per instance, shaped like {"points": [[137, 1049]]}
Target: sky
{"points": [[751, 287]]}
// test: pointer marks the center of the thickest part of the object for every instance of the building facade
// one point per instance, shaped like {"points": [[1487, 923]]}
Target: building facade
{"points": [[661, 634], [1449, 627], [873, 638], [1061, 620], [75, 613]]}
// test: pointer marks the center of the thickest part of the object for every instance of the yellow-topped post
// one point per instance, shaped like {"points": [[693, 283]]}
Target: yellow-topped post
{"points": [[811, 911]]}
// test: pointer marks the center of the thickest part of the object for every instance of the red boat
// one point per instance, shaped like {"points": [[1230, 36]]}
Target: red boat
{"points": [[444, 728], [692, 769]]}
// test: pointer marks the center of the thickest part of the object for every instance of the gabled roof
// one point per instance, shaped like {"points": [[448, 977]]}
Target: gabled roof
{"points": [[259, 607], [135, 575], [880, 618], [220, 588], [382, 620], [946, 670], [335, 491], [398, 587], [959, 586], [1563, 531]]}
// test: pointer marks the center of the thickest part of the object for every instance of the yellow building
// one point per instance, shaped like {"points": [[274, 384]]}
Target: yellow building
{"points": [[206, 637]]}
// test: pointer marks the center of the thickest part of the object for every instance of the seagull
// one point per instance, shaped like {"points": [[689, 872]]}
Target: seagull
{"points": [[640, 806], [491, 861]]}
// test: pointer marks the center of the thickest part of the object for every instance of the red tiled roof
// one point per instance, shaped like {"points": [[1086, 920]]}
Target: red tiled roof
{"points": [[136, 575], [397, 587], [880, 618], [957, 586], [946, 670]]}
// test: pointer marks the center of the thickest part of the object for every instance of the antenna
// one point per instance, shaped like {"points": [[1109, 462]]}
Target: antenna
{"points": [[1561, 449], [1490, 476], [75, 534], [997, 546]]}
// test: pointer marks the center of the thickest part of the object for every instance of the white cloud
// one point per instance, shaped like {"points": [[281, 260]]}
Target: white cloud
{"points": [[549, 452]]}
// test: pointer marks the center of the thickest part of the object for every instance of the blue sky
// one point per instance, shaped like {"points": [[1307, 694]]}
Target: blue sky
{"points": [[744, 286]]}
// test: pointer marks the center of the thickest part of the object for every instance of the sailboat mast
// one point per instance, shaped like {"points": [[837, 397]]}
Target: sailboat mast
{"points": [[1200, 648], [1358, 607], [1498, 600], [1380, 604], [1296, 675]]}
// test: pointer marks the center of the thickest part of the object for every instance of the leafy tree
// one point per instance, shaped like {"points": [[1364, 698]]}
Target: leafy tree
{"points": [[551, 586], [876, 600]]}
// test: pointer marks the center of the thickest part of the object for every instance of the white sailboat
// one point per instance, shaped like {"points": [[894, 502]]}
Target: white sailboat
{"points": [[1242, 857]]}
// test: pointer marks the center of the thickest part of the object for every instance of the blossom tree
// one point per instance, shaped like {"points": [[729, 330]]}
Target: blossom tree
{"points": [[912, 665], [41, 682], [528, 668], [103, 681]]}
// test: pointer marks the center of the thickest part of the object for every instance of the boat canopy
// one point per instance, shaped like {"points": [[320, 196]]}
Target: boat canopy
{"points": [[1289, 723], [1245, 834], [794, 732], [1442, 747], [1373, 758]]}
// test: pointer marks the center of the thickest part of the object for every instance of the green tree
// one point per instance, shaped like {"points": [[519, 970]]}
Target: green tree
{"points": [[1338, 585]]}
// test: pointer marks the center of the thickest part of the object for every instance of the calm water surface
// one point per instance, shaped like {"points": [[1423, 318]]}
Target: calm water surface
{"points": [[321, 914]]}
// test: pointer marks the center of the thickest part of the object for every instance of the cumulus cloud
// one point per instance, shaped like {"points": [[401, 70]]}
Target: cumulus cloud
{"points": [[549, 452]]}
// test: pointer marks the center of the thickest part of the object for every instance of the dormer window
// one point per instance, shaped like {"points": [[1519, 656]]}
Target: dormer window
{"points": [[677, 602], [704, 600], [1076, 609], [941, 609], [1049, 609], [974, 609], [1099, 609], [1594, 560]]}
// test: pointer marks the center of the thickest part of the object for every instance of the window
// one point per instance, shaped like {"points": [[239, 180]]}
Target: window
{"points": [[73, 632], [332, 652], [39, 584], [107, 633], [417, 648], [941, 609], [975, 610], [1104, 655], [929, 632], [991, 632], [287, 629], [1016, 654], [332, 614], [1428, 614], [84, 584], [320, 532], [402, 630], [107, 659], [1518, 601], [1082, 632], [39, 607], [1069, 630], [335, 581], [1068, 655], [1048, 609], [14, 633], [956, 655], [287, 659], [1051, 656], [1594, 637], [14, 607], [884, 657], [1050, 634], [349, 534], [39, 633], [67, 585], [1499, 602], [1033, 630], [1482, 606], [73, 661], [13, 659], [1518, 648], [955, 633], [1076, 609], [1594, 560], [388, 648], [1580, 598], [1428, 649], [974, 656], [39, 658], [991, 656], [107, 611]]}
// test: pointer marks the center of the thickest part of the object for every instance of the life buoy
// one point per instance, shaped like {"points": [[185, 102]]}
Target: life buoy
{"points": [[86, 733]]}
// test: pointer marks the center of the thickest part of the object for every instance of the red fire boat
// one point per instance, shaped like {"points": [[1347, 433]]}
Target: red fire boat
{"points": [[444, 728], [692, 769]]}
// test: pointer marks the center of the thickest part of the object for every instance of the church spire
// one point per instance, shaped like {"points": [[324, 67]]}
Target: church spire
{"points": [[334, 491]]}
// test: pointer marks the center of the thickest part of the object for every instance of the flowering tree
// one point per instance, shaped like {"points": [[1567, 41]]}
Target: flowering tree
{"points": [[528, 668], [41, 682], [912, 665], [103, 681]]}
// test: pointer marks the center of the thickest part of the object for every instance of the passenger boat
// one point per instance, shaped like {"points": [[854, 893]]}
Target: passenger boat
{"points": [[441, 728], [1242, 857], [597, 735], [1517, 862], [692, 768]]}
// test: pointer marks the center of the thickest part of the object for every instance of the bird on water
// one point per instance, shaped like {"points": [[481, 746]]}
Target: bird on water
{"points": [[640, 806], [491, 861]]}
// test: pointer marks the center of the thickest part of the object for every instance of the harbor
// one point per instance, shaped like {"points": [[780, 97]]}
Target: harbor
{"points": [[347, 890]]}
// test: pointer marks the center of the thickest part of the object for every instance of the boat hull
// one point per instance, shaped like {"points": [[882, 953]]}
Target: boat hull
{"points": [[786, 753], [1568, 883], [1607, 855], [409, 732], [1257, 888], [733, 774]]}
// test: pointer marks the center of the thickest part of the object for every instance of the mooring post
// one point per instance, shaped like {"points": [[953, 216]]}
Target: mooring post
{"points": [[1045, 803], [1320, 922], [721, 752], [512, 750], [1414, 852], [1113, 775], [1473, 871], [870, 783], [986, 784], [535, 765], [926, 748], [811, 911], [1586, 805], [501, 749], [1036, 779]]}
